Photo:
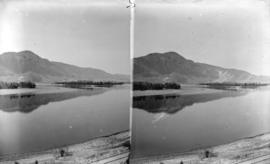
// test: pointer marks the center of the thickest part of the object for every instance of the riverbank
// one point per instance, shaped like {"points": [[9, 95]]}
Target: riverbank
{"points": [[52, 88], [43, 89], [108, 149], [245, 151], [185, 90], [189, 89]]}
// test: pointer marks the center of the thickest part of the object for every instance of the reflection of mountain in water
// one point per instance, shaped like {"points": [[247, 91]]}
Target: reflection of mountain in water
{"points": [[27, 103], [173, 103]]}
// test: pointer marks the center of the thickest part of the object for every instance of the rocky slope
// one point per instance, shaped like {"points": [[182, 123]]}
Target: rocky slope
{"points": [[26, 65], [172, 67]]}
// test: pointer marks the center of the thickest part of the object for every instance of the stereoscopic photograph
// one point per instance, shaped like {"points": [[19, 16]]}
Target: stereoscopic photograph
{"points": [[64, 94], [140, 82], [201, 82]]}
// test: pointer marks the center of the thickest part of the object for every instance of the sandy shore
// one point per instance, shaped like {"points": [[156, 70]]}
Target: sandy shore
{"points": [[245, 151], [108, 149]]}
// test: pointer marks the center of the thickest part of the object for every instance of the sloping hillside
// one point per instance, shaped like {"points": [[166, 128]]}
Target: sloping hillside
{"points": [[172, 67], [26, 65]]}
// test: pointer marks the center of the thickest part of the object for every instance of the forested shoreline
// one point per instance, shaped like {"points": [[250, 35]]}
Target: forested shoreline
{"points": [[16, 85], [155, 86]]}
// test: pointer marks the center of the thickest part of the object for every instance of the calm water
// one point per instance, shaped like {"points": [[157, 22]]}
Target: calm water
{"points": [[166, 124], [35, 122]]}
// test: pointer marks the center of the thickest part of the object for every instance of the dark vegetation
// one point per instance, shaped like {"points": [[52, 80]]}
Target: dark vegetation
{"points": [[236, 84], [209, 154], [15, 85], [231, 85], [154, 86], [88, 84]]}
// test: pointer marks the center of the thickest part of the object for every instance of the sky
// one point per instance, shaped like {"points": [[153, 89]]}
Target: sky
{"points": [[84, 33], [227, 33]]}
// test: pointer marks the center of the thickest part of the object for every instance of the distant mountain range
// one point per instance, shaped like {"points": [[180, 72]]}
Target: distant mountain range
{"points": [[172, 67], [28, 66]]}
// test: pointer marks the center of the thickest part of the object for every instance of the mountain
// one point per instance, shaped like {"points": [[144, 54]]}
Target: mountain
{"points": [[172, 67], [26, 65]]}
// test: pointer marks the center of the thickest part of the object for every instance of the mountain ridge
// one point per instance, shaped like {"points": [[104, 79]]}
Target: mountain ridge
{"points": [[26, 65], [173, 67]]}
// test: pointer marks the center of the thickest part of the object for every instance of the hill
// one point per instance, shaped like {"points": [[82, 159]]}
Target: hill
{"points": [[172, 67], [28, 66]]}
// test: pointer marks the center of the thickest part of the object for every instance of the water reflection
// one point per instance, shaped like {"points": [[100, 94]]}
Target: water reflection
{"points": [[173, 103], [29, 102], [77, 116], [207, 120]]}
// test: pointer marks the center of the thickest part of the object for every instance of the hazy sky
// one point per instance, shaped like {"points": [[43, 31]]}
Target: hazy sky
{"points": [[227, 33], [86, 33]]}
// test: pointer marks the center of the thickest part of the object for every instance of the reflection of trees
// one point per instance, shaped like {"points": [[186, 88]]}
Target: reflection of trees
{"points": [[173, 103], [27, 103]]}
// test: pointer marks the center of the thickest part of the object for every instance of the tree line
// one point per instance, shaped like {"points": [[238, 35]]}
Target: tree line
{"points": [[15, 85], [78, 84], [155, 86], [234, 84]]}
